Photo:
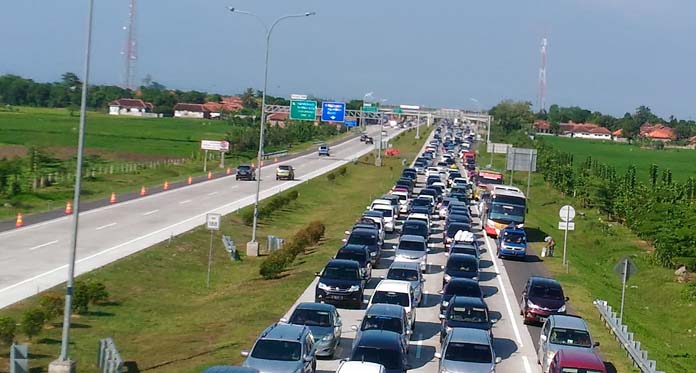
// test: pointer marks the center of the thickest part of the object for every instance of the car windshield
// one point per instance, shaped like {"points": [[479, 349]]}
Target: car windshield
{"points": [[414, 229], [285, 168], [387, 213], [468, 352], [362, 239], [579, 370], [511, 213], [311, 317], [468, 314], [463, 289], [420, 202], [464, 250], [570, 337], [391, 324], [390, 297], [244, 168], [352, 255], [547, 292], [268, 349], [388, 358], [461, 264], [403, 274], [341, 273], [514, 237], [411, 246]]}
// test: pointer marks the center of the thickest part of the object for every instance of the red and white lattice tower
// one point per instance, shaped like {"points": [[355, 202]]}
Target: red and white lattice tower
{"points": [[542, 76], [130, 51]]}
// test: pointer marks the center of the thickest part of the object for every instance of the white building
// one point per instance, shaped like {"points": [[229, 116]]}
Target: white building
{"points": [[132, 107], [197, 111]]}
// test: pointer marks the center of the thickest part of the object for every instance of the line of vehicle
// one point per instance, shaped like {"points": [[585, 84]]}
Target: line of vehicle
{"points": [[43, 245]]}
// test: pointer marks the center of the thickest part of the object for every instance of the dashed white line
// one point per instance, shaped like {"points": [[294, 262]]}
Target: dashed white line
{"points": [[42, 245], [184, 202], [150, 212], [105, 226], [213, 193], [527, 367]]}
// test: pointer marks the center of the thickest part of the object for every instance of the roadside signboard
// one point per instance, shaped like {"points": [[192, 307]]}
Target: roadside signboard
{"points": [[333, 111], [521, 159], [497, 148], [212, 221], [567, 213], [410, 107], [298, 97], [563, 224], [398, 110], [351, 122], [303, 110], [369, 109], [219, 146], [625, 267]]}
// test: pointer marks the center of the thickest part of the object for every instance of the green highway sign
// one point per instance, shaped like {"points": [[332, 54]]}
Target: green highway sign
{"points": [[369, 109], [303, 110], [398, 110]]}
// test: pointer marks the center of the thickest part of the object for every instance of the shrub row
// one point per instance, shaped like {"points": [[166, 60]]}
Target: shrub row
{"points": [[51, 307], [279, 260], [274, 204]]}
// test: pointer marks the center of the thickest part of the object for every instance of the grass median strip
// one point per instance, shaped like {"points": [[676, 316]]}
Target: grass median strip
{"points": [[159, 311]]}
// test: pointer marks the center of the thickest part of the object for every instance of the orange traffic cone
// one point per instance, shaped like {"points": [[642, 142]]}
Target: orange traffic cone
{"points": [[68, 208], [19, 222], [113, 198], [143, 191], [210, 175], [229, 171], [190, 181], [166, 185]]}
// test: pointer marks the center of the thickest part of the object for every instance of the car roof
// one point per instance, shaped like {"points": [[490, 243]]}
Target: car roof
{"points": [[415, 222], [468, 301], [544, 281], [380, 338], [580, 358], [412, 237], [568, 322], [353, 248], [343, 263], [405, 265], [315, 306], [382, 309], [364, 230], [394, 285], [462, 257], [418, 216], [359, 366], [470, 335], [373, 213], [284, 332], [230, 369]]}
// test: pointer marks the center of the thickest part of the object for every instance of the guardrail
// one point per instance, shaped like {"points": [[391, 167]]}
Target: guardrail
{"points": [[230, 247], [620, 331], [19, 358], [109, 359], [280, 153]]}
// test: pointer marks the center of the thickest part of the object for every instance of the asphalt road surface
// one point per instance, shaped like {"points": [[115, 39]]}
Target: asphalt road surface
{"points": [[512, 342], [33, 258]]}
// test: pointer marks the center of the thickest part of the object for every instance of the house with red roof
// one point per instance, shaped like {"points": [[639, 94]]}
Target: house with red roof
{"points": [[278, 119], [132, 107], [657, 131], [585, 131], [197, 111], [542, 126]]}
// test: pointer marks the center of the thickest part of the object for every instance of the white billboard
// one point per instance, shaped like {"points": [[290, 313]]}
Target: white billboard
{"points": [[218, 146]]}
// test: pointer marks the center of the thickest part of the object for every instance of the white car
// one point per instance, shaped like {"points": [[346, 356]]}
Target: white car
{"points": [[404, 202], [360, 367], [396, 292], [389, 215]]}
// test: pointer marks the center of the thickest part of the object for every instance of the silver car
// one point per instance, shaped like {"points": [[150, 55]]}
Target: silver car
{"points": [[408, 271], [467, 350], [412, 249], [324, 322], [283, 348], [563, 332]]}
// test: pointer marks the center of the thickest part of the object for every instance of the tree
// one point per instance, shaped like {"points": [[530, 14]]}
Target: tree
{"points": [[513, 115], [630, 127], [644, 115], [8, 328], [32, 322], [248, 99]]}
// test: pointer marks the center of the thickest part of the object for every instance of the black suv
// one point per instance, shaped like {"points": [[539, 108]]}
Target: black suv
{"points": [[245, 172], [340, 283]]}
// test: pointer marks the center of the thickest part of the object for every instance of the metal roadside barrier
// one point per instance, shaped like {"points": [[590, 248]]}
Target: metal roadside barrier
{"points": [[230, 247], [19, 358], [274, 243], [280, 153], [109, 359], [620, 331]]}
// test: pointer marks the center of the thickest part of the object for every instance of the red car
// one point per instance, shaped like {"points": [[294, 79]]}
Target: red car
{"points": [[576, 361]]}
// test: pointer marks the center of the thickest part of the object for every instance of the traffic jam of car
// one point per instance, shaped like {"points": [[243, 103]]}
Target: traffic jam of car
{"points": [[416, 284]]}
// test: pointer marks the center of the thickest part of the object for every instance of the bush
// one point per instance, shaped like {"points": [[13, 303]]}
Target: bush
{"points": [[273, 265], [247, 216], [276, 263], [331, 177], [52, 305], [97, 292], [86, 293], [32, 322], [343, 170], [8, 328], [689, 291]]}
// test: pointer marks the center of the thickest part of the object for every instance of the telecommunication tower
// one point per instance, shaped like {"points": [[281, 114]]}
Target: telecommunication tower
{"points": [[130, 51], [542, 76]]}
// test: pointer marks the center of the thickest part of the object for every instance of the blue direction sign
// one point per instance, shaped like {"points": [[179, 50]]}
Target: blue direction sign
{"points": [[333, 111], [351, 123]]}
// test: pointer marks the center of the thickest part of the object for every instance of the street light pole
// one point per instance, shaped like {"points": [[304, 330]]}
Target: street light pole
{"points": [[269, 31], [378, 160], [78, 187], [363, 124]]}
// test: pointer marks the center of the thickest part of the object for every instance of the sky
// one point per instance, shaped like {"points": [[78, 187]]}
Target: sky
{"points": [[606, 55]]}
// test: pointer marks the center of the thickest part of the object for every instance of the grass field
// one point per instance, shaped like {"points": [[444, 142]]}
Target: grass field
{"points": [[621, 155], [663, 321], [162, 316]]}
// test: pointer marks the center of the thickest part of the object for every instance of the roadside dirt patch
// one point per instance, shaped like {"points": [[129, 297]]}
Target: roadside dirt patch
{"points": [[645, 245], [12, 151]]}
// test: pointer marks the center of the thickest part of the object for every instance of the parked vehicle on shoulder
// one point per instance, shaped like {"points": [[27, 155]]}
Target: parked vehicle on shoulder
{"points": [[283, 348], [541, 298], [561, 332], [512, 242]]}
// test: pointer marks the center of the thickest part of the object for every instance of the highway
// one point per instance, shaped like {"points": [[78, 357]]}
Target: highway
{"points": [[512, 342], [34, 258]]}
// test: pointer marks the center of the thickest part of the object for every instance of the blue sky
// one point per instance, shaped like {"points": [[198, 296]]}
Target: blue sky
{"points": [[607, 55]]}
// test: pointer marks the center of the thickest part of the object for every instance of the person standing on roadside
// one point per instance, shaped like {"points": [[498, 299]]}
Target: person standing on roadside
{"points": [[548, 248]]}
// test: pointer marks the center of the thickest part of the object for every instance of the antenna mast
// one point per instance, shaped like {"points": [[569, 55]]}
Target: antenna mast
{"points": [[542, 76], [130, 52]]}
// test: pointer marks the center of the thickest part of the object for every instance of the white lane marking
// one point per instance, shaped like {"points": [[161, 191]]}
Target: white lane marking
{"points": [[213, 193], [419, 346], [150, 212], [527, 367], [42, 245], [184, 202], [105, 226], [508, 306]]}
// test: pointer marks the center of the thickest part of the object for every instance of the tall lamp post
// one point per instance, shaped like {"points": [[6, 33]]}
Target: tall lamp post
{"points": [[64, 360], [363, 124], [378, 161], [269, 30]]}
